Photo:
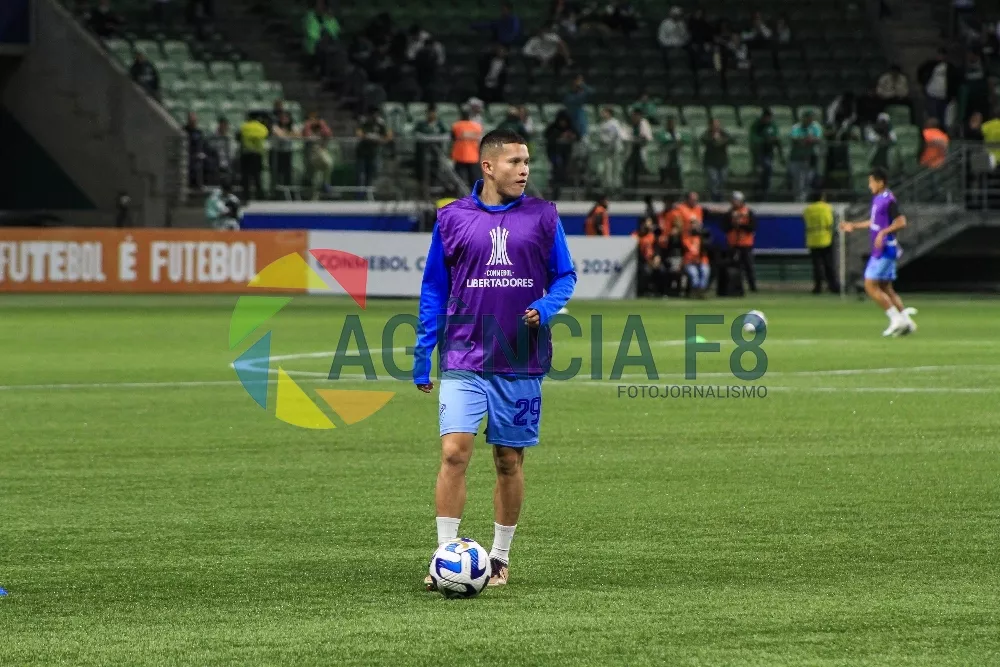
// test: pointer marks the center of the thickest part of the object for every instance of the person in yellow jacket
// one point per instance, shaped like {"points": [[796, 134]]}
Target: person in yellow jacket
{"points": [[818, 217], [253, 145], [991, 135]]}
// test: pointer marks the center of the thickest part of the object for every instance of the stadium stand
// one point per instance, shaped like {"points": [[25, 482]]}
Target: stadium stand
{"points": [[735, 61]]}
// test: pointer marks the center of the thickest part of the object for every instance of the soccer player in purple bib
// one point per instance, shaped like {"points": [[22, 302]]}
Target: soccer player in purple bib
{"points": [[884, 222], [497, 271]]}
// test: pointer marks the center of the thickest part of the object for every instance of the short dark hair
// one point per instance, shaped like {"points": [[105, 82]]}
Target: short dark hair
{"points": [[497, 138], [878, 173]]}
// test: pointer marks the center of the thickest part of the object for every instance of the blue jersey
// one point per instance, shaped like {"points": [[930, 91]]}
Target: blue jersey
{"points": [[884, 211]]}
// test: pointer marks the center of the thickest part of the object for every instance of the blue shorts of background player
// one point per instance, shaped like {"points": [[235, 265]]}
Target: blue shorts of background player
{"points": [[513, 406], [882, 268]]}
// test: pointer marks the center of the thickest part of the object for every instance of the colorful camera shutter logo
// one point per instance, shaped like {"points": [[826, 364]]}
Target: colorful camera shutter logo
{"points": [[292, 404]]}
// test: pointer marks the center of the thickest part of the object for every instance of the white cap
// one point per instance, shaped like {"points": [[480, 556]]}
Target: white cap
{"points": [[738, 196]]}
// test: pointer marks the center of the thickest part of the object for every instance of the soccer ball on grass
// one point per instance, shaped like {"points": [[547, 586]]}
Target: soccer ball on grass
{"points": [[752, 320], [460, 568]]}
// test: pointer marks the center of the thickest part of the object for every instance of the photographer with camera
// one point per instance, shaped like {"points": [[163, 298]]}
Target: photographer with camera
{"points": [[222, 208]]}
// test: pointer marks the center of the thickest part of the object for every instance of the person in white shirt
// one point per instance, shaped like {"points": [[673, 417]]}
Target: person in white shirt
{"points": [[547, 49], [611, 138], [893, 85], [641, 135], [673, 32]]}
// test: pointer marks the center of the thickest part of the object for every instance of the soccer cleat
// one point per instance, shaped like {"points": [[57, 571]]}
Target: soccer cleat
{"points": [[910, 311], [896, 328], [909, 327], [500, 572]]}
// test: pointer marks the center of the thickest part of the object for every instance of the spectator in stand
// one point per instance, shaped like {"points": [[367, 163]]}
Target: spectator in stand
{"points": [[465, 135], [641, 136], [939, 80], [475, 106], [320, 157], [977, 89], [893, 87], [512, 121], [103, 21], [222, 208], [782, 33], [560, 137], [740, 225], [612, 140], [702, 34], [144, 73], [759, 34], [597, 222], [253, 138], [806, 136], [882, 137], [673, 34], [564, 15], [974, 128], [696, 259], [527, 122], [317, 24], [574, 101], [621, 17], [506, 30], [764, 140], [196, 151], [493, 74], [715, 158], [933, 145], [428, 60], [284, 132], [670, 140], [222, 151], [736, 54], [430, 135], [818, 218], [647, 106], [843, 111], [372, 133], [546, 49], [837, 170]]}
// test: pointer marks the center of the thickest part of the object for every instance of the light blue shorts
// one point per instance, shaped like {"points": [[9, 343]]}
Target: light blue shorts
{"points": [[513, 407], [880, 269]]}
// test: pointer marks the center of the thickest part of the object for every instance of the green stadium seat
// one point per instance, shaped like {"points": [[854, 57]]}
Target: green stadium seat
{"points": [[749, 114], [395, 116], [222, 71], [550, 110], [448, 113], [209, 89], [194, 70], [234, 110], [268, 90], [204, 110], [725, 115], [180, 89], [496, 112], [417, 111], [121, 49], [169, 70], [241, 89], [176, 51], [817, 111], [860, 154], [294, 109], [696, 116], [784, 117], [150, 48], [251, 71]]}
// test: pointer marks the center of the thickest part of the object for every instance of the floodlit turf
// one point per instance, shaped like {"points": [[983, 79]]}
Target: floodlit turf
{"points": [[151, 513]]}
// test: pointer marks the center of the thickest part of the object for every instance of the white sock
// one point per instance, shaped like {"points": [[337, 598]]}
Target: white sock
{"points": [[502, 536], [893, 314], [447, 529]]}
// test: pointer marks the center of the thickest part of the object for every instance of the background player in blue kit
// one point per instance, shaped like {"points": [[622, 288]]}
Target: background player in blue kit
{"points": [[497, 270], [884, 222]]}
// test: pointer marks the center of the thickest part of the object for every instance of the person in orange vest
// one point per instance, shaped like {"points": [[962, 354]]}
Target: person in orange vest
{"points": [[934, 145], [740, 223], [688, 209], [465, 134], [667, 219], [696, 262], [597, 222], [651, 270]]}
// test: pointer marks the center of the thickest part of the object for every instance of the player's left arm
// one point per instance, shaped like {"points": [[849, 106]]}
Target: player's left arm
{"points": [[562, 281]]}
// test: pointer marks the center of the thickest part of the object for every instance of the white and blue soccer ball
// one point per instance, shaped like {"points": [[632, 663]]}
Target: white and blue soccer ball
{"points": [[460, 568], [750, 322]]}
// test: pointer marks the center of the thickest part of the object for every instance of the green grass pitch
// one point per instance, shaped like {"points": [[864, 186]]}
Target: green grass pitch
{"points": [[151, 513]]}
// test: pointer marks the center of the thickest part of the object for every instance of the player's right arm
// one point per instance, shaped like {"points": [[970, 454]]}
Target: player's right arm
{"points": [[433, 303], [854, 226]]}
